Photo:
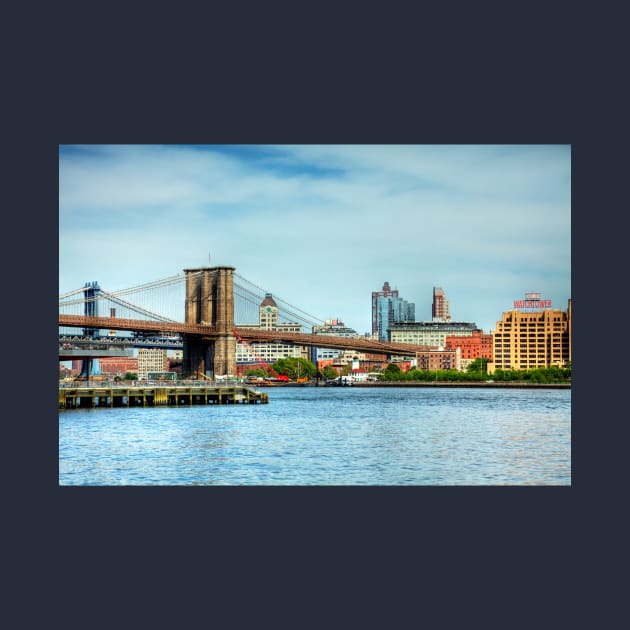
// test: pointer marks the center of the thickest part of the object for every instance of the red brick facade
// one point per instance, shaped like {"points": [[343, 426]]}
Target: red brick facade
{"points": [[477, 346], [118, 366]]}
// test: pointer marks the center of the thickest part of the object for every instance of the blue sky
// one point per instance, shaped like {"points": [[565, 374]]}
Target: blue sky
{"points": [[322, 226]]}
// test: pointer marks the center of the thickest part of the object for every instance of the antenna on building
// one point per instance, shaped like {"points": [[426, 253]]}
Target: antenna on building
{"points": [[208, 257]]}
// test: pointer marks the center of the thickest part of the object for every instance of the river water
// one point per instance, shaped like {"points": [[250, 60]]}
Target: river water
{"points": [[328, 436]]}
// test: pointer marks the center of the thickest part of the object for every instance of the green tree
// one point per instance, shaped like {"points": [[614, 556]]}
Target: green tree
{"points": [[295, 367], [329, 372], [392, 373], [257, 372], [478, 365]]}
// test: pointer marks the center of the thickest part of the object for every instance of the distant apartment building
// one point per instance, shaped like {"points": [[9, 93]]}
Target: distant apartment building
{"points": [[151, 360], [118, 366], [336, 328], [530, 336], [433, 333], [440, 310], [441, 359], [389, 308], [269, 352]]}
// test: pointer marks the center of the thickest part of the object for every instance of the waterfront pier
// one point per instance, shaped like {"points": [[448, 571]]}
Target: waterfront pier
{"points": [[157, 396]]}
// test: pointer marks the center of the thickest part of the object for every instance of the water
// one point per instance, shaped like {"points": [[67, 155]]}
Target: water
{"points": [[328, 436]]}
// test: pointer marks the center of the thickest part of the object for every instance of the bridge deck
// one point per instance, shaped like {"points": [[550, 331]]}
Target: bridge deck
{"points": [[250, 334]]}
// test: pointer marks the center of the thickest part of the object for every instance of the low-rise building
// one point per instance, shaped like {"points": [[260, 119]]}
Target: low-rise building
{"points": [[118, 366], [439, 359], [151, 360], [336, 328], [479, 345], [251, 355], [433, 333]]}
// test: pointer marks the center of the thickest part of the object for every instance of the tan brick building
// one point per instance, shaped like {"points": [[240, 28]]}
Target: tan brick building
{"points": [[151, 360], [525, 340]]}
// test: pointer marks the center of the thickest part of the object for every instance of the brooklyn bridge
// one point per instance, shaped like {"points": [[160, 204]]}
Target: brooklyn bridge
{"points": [[218, 305]]}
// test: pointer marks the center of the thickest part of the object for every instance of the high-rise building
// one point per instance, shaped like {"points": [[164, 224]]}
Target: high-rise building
{"points": [[440, 311], [532, 336], [389, 308]]}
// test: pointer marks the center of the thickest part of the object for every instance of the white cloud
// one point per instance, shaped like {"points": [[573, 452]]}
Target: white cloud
{"points": [[458, 217]]}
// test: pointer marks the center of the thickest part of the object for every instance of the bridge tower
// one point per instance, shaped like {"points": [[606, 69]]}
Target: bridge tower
{"points": [[90, 367], [210, 301]]}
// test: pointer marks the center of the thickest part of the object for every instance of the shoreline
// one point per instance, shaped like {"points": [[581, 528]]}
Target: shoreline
{"points": [[504, 384]]}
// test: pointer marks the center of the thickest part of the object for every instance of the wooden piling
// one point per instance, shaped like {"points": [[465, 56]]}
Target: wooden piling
{"points": [[154, 396]]}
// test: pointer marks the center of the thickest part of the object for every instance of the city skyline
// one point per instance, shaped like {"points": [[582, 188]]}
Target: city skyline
{"points": [[323, 226]]}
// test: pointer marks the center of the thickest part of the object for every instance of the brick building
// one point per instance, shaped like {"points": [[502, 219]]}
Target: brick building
{"points": [[440, 309], [439, 359], [477, 346], [526, 339], [118, 366]]}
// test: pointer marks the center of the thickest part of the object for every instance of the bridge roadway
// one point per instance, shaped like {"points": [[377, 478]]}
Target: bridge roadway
{"points": [[249, 334]]}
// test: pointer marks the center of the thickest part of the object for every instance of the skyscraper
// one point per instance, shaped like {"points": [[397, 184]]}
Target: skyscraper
{"points": [[389, 308], [440, 310]]}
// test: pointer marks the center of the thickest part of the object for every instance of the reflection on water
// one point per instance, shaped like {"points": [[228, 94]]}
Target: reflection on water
{"points": [[328, 436]]}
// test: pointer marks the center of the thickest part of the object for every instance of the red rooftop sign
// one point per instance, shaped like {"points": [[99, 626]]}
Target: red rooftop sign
{"points": [[532, 300]]}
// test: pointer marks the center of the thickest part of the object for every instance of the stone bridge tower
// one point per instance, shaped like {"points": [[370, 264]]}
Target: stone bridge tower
{"points": [[210, 301]]}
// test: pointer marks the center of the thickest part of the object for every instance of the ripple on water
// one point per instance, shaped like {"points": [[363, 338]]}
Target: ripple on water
{"points": [[328, 436]]}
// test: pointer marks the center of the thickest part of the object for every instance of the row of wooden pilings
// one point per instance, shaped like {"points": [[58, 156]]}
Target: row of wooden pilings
{"points": [[86, 397]]}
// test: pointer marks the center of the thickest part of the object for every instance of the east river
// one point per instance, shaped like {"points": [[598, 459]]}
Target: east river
{"points": [[327, 436]]}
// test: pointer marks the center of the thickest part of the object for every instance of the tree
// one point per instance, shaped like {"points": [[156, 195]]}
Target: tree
{"points": [[329, 372], [295, 367], [478, 365], [257, 372], [391, 373]]}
